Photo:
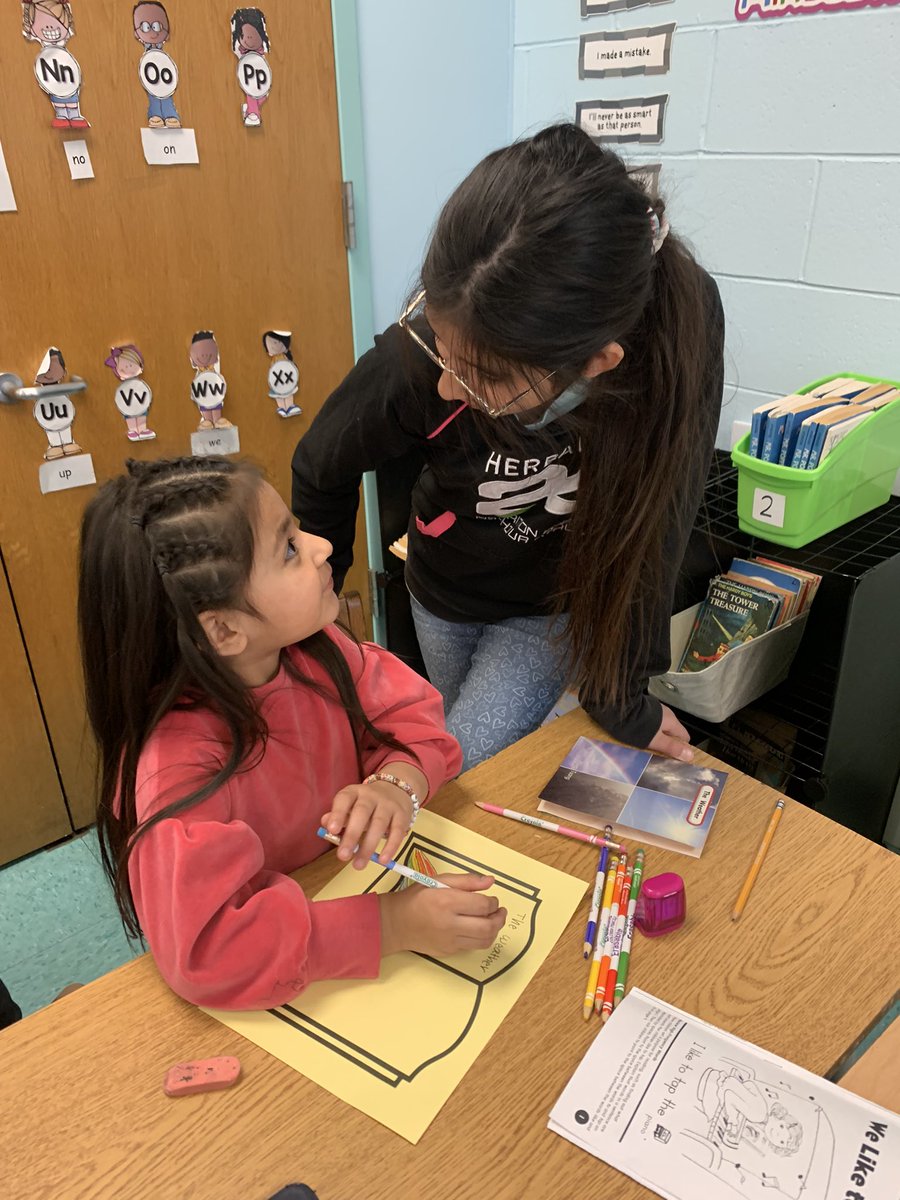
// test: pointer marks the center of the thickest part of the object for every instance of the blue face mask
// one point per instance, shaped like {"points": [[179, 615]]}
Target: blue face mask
{"points": [[564, 403]]}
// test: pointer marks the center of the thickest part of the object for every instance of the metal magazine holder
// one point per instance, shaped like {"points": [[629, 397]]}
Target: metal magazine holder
{"points": [[827, 734], [738, 678]]}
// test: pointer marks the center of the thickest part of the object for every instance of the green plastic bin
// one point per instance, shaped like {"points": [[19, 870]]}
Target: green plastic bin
{"points": [[792, 507]]}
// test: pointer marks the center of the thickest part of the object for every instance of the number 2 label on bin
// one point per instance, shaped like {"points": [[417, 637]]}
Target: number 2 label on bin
{"points": [[768, 507]]}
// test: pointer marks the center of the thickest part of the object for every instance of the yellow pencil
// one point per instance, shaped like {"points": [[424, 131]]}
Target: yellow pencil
{"points": [[758, 861], [588, 1006]]}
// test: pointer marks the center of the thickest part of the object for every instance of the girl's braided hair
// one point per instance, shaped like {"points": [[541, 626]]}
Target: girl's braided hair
{"points": [[160, 545]]}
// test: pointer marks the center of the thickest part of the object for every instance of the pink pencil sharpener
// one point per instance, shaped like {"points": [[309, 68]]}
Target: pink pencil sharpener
{"points": [[661, 906]]}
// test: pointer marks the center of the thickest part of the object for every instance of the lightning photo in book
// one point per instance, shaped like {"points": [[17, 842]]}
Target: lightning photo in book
{"points": [[642, 795]]}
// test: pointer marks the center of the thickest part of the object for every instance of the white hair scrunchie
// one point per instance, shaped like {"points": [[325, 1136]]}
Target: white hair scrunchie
{"points": [[658, 229]]}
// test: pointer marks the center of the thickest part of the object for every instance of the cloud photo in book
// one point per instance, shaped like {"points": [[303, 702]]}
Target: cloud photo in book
{"points": [[642, 795], [667, 816], [608, 760], [600, 799], [677, 779]]}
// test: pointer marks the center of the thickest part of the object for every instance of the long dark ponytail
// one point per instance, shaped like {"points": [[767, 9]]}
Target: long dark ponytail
{"points": [[542, 257], [159, 545]]}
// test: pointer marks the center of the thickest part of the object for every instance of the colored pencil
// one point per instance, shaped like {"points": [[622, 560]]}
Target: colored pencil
{"points": [[600, 993], [588, 1006], [609, 993], [591, 930], [550, 826], [625, 953], [757, 863], [408, 872]]}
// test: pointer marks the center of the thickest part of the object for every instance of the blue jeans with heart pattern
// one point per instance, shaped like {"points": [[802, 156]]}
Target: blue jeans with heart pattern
{"points": [[499, 679]]}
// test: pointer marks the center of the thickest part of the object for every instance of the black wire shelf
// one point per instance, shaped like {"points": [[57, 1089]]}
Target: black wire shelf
{"points": [[782, 737]]}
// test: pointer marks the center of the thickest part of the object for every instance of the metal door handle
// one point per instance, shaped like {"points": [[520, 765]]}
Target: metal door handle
{"points": [[12, 391]]}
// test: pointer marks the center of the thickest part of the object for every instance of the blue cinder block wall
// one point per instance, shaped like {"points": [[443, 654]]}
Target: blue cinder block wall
{"points": [[781, 163]]}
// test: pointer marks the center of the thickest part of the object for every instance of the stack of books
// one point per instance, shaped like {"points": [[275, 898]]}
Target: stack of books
{"points": [[752, 597], [802, 430]]}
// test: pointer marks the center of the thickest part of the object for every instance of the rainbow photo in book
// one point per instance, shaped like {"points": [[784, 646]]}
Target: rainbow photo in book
{"points": [[643, 796]]}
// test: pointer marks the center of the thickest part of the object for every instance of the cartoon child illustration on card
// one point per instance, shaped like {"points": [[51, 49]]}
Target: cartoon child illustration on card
{"points": [[250, 42], [50, 23], [208, 386], [133, 395], [55, 414], [156, 70], [284, 374], [758, 1136]]}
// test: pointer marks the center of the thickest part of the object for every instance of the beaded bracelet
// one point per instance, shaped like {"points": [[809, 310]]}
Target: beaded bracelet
{"points": [[384, 777]]}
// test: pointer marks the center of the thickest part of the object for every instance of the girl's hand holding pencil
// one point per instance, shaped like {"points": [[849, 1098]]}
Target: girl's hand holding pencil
{"points": [[446, 916], [441, 921], [365, 813]]}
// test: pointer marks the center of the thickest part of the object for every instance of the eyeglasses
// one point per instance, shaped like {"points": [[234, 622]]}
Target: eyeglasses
{"points": [[417, 305], [150, 27]]}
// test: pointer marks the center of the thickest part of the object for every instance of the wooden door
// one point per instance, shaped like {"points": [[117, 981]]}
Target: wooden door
{"points": [[32, 807], [248, 240]]}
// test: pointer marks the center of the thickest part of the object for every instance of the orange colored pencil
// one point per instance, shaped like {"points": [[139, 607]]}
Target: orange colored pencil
{"points": [[621, 871], [610, 992], [594, 972], [758, 861]]}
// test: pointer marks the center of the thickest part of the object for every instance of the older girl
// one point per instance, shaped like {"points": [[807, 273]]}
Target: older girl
{"points": [[558, 378]]}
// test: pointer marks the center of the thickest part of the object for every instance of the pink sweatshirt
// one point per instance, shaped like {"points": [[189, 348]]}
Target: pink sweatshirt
{"points": [[226, 924]]}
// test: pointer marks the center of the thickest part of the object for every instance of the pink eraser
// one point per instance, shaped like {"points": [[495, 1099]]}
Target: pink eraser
{"points": [[202, 1075]]}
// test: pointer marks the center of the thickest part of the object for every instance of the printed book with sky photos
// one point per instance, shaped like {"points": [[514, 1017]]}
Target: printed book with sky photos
{"points": [[643, 796]]}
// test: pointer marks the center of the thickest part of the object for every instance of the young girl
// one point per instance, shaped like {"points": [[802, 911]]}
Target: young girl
{"points": [[233, 719], [126, 363], [558, 378], [283, 384], [250, 36]]}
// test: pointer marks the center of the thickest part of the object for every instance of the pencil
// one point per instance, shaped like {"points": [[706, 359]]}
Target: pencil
{"points": [[625, 953], [415, 876], [588, 1006], [757, 863], [591, 930], [600, 993], [550, 826], [618, 937]]}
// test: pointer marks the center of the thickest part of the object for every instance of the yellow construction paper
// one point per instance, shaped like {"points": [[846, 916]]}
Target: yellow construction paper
{"points": [[397, 1046]]}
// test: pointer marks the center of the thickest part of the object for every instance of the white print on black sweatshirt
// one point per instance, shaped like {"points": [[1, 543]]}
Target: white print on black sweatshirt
{"points": [[521, 484]]}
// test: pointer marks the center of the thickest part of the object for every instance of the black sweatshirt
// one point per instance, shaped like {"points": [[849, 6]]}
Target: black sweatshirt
{"points": [[486, 528]]}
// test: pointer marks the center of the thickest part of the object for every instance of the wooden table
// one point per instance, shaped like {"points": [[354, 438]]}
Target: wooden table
{"points": [[83, 1114], [876, 1073]]}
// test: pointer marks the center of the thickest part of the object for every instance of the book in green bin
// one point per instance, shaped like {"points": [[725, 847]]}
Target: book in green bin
{"points": [[731, 614], [644, 796]]}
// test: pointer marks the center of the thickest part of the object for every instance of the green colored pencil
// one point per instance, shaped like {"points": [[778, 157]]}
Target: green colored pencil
{"points": [[625, 954]]}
